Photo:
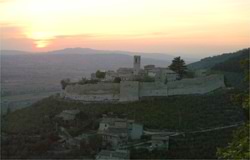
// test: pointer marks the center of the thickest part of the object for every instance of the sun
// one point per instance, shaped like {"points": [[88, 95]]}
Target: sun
{"points": [[41, 43], [41, 39]]}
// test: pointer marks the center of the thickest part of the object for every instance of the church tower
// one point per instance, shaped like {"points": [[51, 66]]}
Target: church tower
{"points": [[137, 64]]}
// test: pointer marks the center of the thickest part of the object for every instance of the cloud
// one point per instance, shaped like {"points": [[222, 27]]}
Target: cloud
{"points": [[11, 31], [4, 1], [77, 36]]}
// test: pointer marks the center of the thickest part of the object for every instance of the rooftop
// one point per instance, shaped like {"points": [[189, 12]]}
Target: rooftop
{"points": [[119, 154], [68, 114]]}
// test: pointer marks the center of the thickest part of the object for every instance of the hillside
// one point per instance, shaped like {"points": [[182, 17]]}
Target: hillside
{"points": [[227, 64], [232, 69], [201, 111], [180, 113], [232, 64], [210, 62]]}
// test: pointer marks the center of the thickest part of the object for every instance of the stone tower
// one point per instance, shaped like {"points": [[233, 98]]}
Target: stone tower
{"points": [[137, 64]]}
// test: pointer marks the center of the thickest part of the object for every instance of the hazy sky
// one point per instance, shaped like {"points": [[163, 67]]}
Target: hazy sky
{"points": [[187, 27]]}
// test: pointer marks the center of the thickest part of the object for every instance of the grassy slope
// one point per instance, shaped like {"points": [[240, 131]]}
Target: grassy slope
{"points": [[182, 113]]}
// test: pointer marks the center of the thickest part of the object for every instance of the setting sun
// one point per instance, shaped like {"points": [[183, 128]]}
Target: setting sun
{"points": [[124, 79], [152, 25]]}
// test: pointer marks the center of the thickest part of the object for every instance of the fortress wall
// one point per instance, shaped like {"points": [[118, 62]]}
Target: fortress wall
{"points": [[99, 88], [132, 90], [199, 85], [93, 98], [149, 89], [93, 92], [129, 91]]}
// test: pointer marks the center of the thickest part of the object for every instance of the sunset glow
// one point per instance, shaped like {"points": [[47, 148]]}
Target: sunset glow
{"points": [[163, 26]]}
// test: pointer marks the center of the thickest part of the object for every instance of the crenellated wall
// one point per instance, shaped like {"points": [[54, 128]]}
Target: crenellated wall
{"points": [[134, 90]]}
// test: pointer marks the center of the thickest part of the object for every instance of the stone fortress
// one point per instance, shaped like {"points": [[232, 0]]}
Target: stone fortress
{"points": [[133, 88]]}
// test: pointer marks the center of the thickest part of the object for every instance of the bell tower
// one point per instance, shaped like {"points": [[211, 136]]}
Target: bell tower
{"points": [[137, 64]]}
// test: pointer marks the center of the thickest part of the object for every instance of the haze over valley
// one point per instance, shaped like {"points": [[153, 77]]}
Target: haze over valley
{"points": [[27, 77]]}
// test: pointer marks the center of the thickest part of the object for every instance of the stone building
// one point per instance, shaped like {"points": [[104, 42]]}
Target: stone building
{"points": [[111, 75], [149, 67], [139, 83], [126, 74], [93, 76], [68, 115], [114, 137], [160, 142], [137, 64], [118, 155], [117, 132]]}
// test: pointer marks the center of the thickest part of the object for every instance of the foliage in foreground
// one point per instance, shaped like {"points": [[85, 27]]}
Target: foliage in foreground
{"points": [[239, 147]]}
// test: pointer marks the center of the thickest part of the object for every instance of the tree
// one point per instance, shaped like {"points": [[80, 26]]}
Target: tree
{"points": [[117, 80], [82, 81], [100, 74], [8, 110], [178, 65], [64, 83], [93, 145], [239, 147]]}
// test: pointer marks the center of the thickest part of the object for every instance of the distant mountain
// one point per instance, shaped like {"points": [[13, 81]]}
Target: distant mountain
{"points": [[14, 52], [210, 62], [29, 76], [46, 70], [157, 56]]}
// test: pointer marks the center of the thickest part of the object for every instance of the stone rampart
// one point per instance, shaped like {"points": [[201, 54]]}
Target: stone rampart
{"points": [[93, 92], [151, 89], [134, 90], [199, 85], [129, 91]]}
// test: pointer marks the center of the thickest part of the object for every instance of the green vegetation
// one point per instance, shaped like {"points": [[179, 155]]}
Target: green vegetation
{"points": [[100, 74], [86, 81], [182, 113], [227, 64], [178, 65], [199, 145], [209, 62], [33, 130], [178, 113], [239, 147], [64, 83], [233, 63], [145, 78], [117, 80]]}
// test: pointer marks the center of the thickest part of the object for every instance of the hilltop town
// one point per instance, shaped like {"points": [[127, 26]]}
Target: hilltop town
{"points": [[118, 135], [145, 112], [133, 84]]}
